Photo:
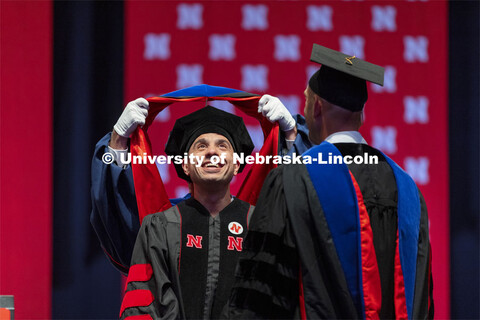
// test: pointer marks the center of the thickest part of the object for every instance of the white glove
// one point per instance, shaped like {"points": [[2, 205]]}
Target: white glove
{"points": [[274, 110], [132, 116]]}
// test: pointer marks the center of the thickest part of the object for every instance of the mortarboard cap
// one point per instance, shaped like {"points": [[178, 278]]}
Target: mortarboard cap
{"points": [[341, 80], [207, 120]]}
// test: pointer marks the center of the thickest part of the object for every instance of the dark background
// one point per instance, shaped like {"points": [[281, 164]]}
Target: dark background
{"points": [[88, 79]]}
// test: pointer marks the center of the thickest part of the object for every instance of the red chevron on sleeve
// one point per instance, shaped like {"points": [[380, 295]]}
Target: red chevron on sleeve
{"points": [[136, 298], [140, 272]]}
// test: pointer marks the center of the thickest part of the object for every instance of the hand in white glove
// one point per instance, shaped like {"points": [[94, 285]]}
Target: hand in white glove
{"points": [[132, 116], [274, 110]]}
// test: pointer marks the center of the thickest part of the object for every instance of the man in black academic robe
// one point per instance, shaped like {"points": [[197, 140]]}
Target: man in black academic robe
{"points": [[184, 258], [347, 240]]}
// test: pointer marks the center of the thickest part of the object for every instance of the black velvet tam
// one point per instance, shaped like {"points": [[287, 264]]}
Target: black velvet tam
{"points": [[207, 120]]}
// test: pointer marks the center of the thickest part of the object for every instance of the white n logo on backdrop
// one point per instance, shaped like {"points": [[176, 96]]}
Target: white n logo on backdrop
{"points": [[157, 46], [385, 139], [383, 18], [416, 49], [222, 47], [319, 18], [254, 77], [254, 17], [287, 48], [417, 168], [416, 109], [189, 16]]}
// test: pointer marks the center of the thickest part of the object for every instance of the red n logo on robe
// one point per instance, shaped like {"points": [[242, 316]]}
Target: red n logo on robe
{"points": [[235, 243], [194, 241]]}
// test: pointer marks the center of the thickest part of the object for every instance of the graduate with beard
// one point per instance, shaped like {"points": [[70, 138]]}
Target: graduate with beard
{"points": [[336, 240]]}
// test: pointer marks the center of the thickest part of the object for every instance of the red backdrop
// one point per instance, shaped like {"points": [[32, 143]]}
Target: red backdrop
{"points": [[264, 47], [26, 156]]}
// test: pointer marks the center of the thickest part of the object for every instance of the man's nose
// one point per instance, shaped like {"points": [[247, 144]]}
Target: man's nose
{"points": [[212, 150]]}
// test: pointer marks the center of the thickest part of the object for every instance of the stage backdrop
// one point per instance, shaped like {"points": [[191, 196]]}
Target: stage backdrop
{"points": [[264, 47], [26, 156]]}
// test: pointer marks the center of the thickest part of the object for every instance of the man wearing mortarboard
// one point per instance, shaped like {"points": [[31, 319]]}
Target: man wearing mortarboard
{"points": [[345, 239]]}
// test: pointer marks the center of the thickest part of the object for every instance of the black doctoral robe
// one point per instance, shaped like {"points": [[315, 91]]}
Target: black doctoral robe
{"points": [[184, 260], [291, 267]]}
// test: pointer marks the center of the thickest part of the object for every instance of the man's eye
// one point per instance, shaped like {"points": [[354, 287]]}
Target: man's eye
{"points": [[201, 146]]}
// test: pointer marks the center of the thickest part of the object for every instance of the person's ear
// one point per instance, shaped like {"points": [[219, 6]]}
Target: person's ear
{"points": [[236, 168], [185, 168], [317, 110]]}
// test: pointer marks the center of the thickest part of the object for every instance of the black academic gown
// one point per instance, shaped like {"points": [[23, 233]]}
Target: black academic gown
{"points": [[184, 261], [290, 266]]}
